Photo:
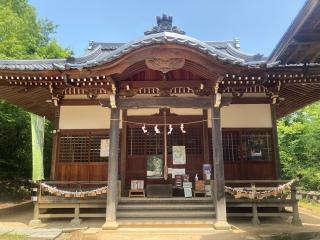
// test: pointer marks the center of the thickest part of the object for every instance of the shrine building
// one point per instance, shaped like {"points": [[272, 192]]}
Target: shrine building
{"points": [[145, 116]]}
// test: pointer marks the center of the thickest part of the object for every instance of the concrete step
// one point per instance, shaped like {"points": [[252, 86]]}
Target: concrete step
{"points": [[167, 222], [165, 214], [165, 207]]}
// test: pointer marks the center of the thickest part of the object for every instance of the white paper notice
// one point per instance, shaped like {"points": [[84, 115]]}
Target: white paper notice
{"points": [[179, 154], [104, 148], [178, 171]]}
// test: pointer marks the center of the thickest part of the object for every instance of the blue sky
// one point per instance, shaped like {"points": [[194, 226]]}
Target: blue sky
{"points": [[258, 24]]}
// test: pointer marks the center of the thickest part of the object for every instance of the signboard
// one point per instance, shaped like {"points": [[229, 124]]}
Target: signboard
{"points": [[104, 148], [178, 171], [137, 184], [207, 169], [179, 154], [154, 166], [187, 192]]}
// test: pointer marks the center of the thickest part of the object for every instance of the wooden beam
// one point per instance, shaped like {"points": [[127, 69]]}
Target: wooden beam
{"points": [[164, 83], [168, 102], [253, 100], [310, 37]]}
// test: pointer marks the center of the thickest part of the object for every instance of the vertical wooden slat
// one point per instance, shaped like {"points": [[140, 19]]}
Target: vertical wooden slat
{"points": [[123, 150]]}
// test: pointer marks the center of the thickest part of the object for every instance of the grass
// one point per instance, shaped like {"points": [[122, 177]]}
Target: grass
{"points": [[9, 236], [310, 205]]}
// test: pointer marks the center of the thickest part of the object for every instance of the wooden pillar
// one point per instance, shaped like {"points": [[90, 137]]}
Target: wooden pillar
{"points": [[275, 141], [112, 196], [218, 168], [76, 221], [55, 138], [255, 218], [205, 142], [123, 149]]}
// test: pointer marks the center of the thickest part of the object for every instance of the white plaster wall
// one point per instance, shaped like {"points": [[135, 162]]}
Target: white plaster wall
{"points": [[142, 111], [84, 117], [186, 111], [245, 116]]}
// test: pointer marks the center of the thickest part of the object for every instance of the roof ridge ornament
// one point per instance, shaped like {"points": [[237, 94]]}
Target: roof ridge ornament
{"points": [[164, 24]]}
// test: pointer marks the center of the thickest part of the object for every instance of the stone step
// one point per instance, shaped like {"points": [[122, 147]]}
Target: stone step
{"points": [[166, 214], [181, 200], [167, 222], [142, 207]]}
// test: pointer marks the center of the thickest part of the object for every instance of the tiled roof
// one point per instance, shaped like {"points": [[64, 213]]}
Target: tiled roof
{"points": [[101, 53]]}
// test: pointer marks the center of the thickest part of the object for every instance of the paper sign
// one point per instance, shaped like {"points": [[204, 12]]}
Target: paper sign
{"points": [[178, 171], [179, 154], [187, 192], [104, 148]]}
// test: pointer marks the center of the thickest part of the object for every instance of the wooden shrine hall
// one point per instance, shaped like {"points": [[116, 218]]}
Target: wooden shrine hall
{"points": [[169, 120]]}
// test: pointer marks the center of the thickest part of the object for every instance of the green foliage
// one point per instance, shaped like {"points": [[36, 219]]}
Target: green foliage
{"points": [[23, 36], [15, 143], [299, 139]]}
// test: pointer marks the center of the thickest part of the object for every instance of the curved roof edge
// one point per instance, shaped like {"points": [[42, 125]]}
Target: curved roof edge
{"points": [[102, 53], [303, 15]]}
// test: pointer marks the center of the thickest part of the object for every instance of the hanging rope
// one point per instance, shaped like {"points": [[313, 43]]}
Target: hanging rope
{"points": [[163, 124], [242, 193], [77, 194]]}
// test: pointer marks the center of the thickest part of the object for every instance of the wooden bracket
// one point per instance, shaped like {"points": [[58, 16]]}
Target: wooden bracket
{"points": [[113, 101], [217, 100]]}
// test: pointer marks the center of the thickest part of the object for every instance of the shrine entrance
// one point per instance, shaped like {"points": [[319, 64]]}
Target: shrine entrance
{"points": [[163, 145]]}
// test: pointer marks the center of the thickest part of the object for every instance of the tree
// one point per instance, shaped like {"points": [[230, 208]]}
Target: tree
{"points": [[299, 138], [23, 36]]}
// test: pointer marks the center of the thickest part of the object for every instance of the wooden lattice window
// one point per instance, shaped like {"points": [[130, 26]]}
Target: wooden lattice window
{"points": [[81, 148], [231, 145], [136, 141], [245, 144], [154, 142], [192, 140], [257, 145], [150, 143], [140, 143]]}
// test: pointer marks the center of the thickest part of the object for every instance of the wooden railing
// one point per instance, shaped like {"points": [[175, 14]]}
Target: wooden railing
{"points": [[277, 203], [45, 204], [78, 207]]}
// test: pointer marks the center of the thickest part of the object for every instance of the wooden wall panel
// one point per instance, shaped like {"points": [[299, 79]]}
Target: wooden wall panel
{"points": [[81, 172], [232, 170], [259, 170]]}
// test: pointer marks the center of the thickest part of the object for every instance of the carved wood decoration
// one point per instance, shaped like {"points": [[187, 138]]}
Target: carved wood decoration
{"points": [[165, 65]]}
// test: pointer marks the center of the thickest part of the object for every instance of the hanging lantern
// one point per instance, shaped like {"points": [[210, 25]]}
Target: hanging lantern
{"points": [[170, 129]]}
